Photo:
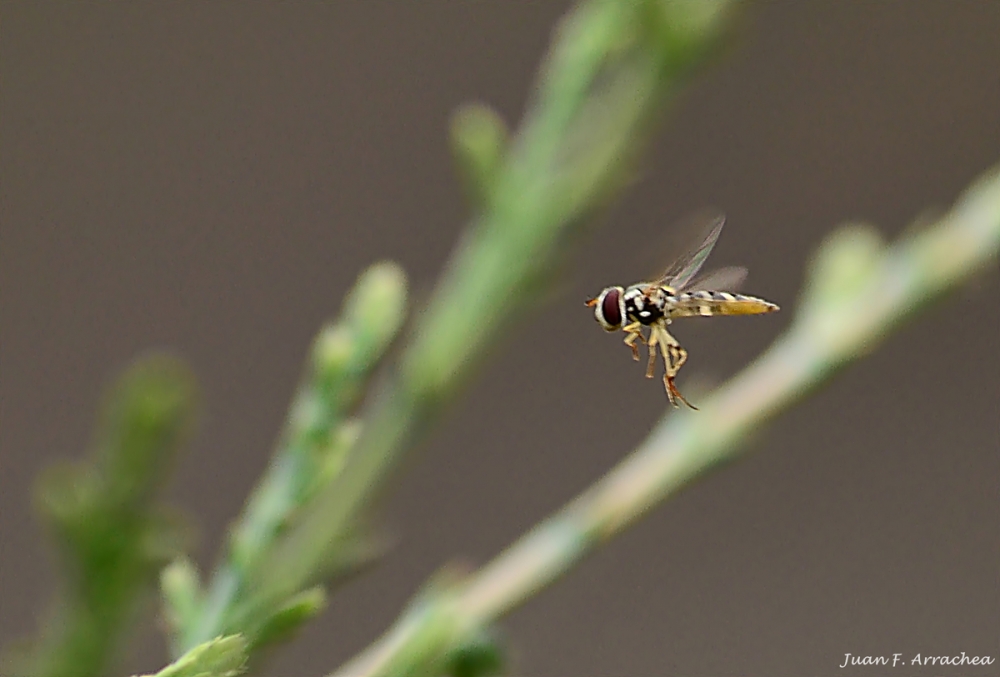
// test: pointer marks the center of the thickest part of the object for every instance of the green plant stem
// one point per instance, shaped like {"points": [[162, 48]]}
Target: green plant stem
{"points": [[112, 531], [312, 451], [219, 657], [858, 292]]}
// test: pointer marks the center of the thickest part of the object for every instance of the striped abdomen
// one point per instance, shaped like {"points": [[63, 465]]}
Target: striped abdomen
{"points": [[708, 303]]}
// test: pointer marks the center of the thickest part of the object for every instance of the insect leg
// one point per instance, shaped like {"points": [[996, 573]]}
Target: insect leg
{"points": [[634, 333], [651, 363], [674, 357]]}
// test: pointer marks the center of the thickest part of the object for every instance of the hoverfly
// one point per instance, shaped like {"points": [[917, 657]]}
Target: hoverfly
{"points": [[675, 294]]}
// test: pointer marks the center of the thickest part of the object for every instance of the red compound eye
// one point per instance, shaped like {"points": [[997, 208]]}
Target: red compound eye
{"points": [[611, 315]]}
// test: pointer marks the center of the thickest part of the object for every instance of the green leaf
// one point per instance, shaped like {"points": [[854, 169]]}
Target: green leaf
{"points": [[290, 617], [220, 657], [113, 534], [479, 142]]}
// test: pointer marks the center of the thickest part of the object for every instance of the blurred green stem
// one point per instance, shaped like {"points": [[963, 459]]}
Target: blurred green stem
{"points": [[858, 292], [312, 451], [112, 534], [219, 657]]}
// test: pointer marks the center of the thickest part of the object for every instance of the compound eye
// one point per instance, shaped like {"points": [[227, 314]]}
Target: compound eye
{"points": [[610, 315]]}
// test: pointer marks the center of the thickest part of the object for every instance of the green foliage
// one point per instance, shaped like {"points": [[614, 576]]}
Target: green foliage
{"points": [[480, 655], [112, 534], [318, 435], [610, 71], [479, 141], [611, 68], [220, 657], [284, 621], [181, 591]]}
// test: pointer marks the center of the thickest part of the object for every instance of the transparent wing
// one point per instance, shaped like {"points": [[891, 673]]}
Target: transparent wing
{"points": [[680, 274], [722, 279]]}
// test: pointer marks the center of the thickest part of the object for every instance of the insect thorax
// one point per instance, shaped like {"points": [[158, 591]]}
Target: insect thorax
{"points": [[645, 303]]}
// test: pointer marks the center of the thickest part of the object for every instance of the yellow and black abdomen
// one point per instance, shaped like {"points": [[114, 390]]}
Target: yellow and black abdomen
{"points": [[709, 303]]}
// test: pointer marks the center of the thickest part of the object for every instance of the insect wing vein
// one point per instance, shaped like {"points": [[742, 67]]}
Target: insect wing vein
{"points": [[720, 279], [680, 274]]}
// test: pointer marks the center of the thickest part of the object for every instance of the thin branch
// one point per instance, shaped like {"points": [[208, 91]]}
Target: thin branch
{"points": [[859, 290], [112, 529], [219, 657], [312, 451]]}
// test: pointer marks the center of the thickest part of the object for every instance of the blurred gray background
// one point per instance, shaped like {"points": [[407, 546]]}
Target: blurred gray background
{"points": [[211, 177]]}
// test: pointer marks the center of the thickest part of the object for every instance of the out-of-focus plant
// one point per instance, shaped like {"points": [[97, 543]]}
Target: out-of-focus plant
{"points": [[610, 71], [320, 431], [113, 535], [221, 657]]}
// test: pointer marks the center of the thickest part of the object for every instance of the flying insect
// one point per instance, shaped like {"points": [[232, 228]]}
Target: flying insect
{"points": [[675, 293]]}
